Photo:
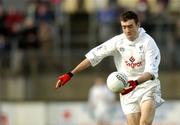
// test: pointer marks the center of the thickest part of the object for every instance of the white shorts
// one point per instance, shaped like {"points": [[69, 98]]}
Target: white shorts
{"points": [[132, 101]]}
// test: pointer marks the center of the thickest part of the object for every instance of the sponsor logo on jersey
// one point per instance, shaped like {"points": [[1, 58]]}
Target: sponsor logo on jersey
{"points": [[132, 59], [131, 63]]}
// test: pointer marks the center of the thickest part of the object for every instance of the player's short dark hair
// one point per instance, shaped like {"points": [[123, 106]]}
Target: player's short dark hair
{"points": [[129, 15]]}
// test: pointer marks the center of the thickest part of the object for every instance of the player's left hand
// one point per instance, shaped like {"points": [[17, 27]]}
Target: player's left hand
{"points": [[132, 85]]}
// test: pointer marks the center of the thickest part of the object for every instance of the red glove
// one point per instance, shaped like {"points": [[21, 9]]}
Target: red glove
{"points": [[132, 85], [63, 79]]}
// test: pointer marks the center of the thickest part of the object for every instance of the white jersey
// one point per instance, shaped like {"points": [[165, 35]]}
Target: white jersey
{"points": [[131, 57]]}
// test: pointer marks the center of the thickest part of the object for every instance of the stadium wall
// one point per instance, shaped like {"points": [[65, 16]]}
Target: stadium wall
{"points": [[74, 113]]}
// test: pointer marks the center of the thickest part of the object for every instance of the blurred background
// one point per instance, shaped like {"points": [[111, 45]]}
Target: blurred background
{"points": [[42, 39]]}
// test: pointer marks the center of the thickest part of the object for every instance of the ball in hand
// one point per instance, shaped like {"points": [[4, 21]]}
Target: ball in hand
{"points": [[117, 81]]}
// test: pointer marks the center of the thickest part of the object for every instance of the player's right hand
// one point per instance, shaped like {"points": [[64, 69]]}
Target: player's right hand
{"points": [[63, 79]]}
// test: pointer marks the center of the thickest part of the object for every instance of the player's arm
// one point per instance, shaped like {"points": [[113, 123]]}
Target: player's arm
{"points": [[145, 77], [82, 66], [93, 57], [152, 58], [63, 79]]}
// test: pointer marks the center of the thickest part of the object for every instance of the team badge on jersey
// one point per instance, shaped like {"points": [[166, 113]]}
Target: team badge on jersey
{"points": [[141, 50], [121, 49]]}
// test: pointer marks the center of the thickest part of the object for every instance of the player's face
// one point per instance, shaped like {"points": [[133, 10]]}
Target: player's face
{"points": [[130, 29]]}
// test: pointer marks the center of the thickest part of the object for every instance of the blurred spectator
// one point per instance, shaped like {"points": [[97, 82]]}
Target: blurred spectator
{"points": [[70, 6], [107, 20], [45, 37], [13, 21], [29, 44], [4, 44], [56, 1], [29, 37], [143, 11], [101, 101], [162, 32], [4, 53], [163, 3], [31, 9], [142, 5], [13, 25], [100, 4], [44, 12], [2, 19]]}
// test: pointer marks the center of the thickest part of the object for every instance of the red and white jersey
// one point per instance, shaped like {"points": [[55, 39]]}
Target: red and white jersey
{"points": [[131, 57]]}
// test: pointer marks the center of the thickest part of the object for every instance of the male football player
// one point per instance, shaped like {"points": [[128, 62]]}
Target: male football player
{"points": [[137, 55]]}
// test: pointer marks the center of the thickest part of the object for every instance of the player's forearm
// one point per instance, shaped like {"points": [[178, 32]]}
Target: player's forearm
{"points": [[82, 66], [144, 77]]}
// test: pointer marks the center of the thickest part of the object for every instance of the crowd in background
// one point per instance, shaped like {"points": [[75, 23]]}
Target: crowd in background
{"points": [[31, 39]]}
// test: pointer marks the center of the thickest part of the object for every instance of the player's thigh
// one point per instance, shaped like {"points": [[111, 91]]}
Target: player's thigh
{"points": [[147, 112], [133, 118]]}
